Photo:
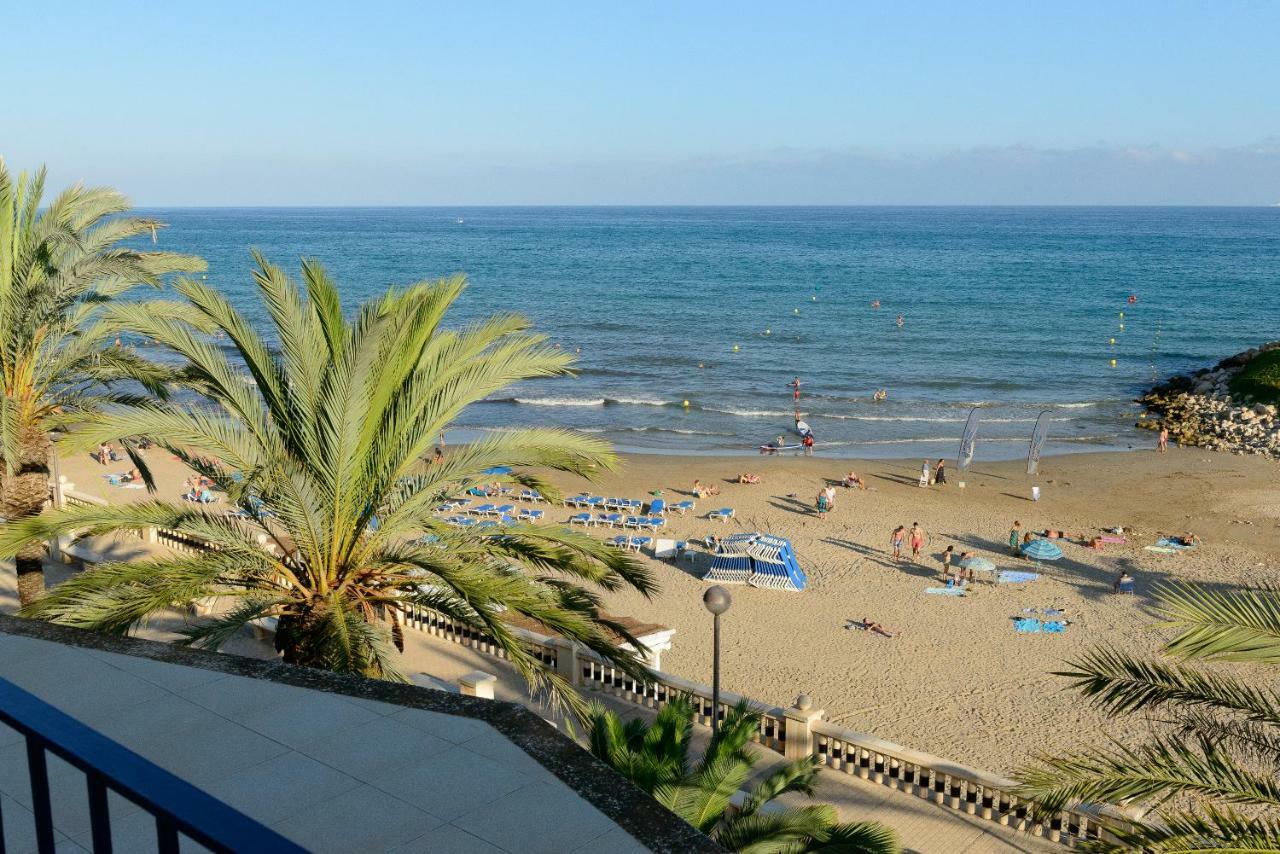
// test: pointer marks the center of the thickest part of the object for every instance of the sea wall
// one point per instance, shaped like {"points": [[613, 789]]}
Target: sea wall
{"points": [[1199, 410]]}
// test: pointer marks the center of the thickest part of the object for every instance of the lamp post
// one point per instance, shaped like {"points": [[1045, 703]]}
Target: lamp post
{"points": [[717, 600]]}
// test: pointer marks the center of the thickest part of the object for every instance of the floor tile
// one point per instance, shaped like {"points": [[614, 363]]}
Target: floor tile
{"points": [[273, 790], [447, 838], [451, 783], [541, 817], [369, 749], [449, 727], [363, 819]]}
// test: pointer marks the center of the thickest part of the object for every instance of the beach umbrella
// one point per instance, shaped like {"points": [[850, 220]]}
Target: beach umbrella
{"points": [[977, 563], [498, 470], [1039, 550]]}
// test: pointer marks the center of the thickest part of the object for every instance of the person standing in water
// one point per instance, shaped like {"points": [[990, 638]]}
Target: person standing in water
{"points": [[900, 321], [1162, 443], [794, 385]]}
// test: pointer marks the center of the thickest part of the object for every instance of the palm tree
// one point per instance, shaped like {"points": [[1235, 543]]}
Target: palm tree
{"points": [[656, 758], [1211, 767], [321, 450], [60, 265]]}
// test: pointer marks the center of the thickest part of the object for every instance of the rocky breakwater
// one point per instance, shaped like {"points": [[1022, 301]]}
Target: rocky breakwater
{"points": [[1200, 409]]}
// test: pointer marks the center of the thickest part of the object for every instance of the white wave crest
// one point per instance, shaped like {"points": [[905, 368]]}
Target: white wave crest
{"points": [[560, 401]]}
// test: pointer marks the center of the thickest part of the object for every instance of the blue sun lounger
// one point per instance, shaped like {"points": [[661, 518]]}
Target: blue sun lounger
{"points": [[657, 507], [531, 515], [531, 495], [683, 507], [637, 543], [721, 514], [484, 509], [503, 510], [631, 522], [583, 519], [609, 519], [656, 522], [620, 542], [576, 501]]}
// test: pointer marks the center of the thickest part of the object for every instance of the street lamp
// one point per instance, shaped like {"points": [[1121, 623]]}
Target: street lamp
{"points": [[717, 600]]}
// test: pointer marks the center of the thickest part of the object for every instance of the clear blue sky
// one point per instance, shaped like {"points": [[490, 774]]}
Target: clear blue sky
{"points": [[629, 102]]}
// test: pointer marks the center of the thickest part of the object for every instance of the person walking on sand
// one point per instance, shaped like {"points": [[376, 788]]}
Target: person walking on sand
{"points": [[1162, 444], [823, 504], [939, 474], [917, 541], [1015, 536], [895, 539]]}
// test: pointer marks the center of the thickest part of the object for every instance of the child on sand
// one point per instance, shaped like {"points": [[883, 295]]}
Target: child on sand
{"points": [[896, 538], [823, 504]]}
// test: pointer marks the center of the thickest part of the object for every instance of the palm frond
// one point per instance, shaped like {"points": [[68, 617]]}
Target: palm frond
{"points": [[1224, 625]]}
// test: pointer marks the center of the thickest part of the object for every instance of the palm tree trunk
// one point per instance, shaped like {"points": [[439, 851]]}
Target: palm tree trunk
{"points": [[25, 493]]}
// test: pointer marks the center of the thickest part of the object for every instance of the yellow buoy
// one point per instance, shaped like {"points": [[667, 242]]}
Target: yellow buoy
{"points": [[1122, 327], [815, 299], [1113, 363], [685, 404], [795, 311], [1113, 341], [768, 332], [735, 348], [1122, 315]]}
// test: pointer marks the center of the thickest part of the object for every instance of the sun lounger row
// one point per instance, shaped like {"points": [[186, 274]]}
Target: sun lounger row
{"points": [[612, 520], [634, 544]]}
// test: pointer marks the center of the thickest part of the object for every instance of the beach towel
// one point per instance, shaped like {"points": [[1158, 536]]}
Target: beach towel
{"points": [[1120, 540], [1027, 625], [1164, 550], [945, 591], [1012, 576], [1055, 627], [1173, 544]]}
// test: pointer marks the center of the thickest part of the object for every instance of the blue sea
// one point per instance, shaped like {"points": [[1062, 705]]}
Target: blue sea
{"points": [[1011, 310]]}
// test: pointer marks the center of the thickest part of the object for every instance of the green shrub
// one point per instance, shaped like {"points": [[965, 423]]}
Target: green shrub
{"points": [[1260, 379]]}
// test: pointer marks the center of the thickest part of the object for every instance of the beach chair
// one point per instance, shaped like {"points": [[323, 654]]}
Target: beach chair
{"points": [[656, 522], [683, 507], [487, 523], [612, 503], [504, 510], [530, 495], [583, 519], [637, 543], [594, 502], [484, 509], [531, 515], [620, 542], [463, 521], [609, 519], [631, 522], [729, 569], [657, 507], [575, 501], [478, 492], [721, 514]]}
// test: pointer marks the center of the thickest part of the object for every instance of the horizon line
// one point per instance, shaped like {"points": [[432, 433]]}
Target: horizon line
{"points": [[616, 205]]}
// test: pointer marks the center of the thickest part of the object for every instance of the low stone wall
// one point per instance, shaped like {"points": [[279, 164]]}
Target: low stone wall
{"points": [[1199, 410]]}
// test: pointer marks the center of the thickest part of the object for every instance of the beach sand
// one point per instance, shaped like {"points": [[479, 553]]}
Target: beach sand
{"points": [[958, 682]]}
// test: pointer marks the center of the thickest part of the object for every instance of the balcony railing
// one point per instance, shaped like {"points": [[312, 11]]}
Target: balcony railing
{"points": [[177, 806]]}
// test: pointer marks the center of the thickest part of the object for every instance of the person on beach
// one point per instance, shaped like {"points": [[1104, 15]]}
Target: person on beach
{"points": [[872, 626], [939, 474], [807, 441], [1124, 583], [438, 458], [748, 478], [823, 504], [851, 480], [895, 539], [947, 554], [1162, 443], [924, 473], [917, 541], [1015, 534], [794, 385]]}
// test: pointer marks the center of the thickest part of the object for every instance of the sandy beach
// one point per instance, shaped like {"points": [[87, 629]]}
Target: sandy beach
{"points": [[958, 682]]}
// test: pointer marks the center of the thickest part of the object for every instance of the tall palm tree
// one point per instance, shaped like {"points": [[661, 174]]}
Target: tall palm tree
{"points": [[1210, 770], [60, 265], [656, 758], [320, 444]]}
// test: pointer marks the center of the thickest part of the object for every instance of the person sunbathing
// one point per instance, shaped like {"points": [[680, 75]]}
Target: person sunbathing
{"points": [[748, 478], [132, 475], [872, 626], [1188, 539]]}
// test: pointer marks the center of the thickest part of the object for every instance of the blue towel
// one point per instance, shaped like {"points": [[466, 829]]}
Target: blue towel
{"points": [[1172, 544], [1011, 576], [1055, 627], [1027, 625], [945, 591]]}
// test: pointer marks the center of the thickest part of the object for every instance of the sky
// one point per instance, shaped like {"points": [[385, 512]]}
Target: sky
{"points": [[612, 102]]}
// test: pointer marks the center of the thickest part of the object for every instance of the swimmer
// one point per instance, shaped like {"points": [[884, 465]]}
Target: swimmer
{"points": [[901, 320], [701, 365], [794, 385], [1132, 299], [880, 395], [875, 303]]}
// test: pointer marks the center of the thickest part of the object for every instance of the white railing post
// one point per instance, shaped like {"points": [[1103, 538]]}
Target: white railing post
{"points": [[800, 718], [477, 683]]}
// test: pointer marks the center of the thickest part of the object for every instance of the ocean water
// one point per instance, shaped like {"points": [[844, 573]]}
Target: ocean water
{"points": [[1012, 310]]}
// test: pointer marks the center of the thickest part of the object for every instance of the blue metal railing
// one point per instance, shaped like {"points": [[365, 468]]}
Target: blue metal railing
{"points": [[178, 806]]}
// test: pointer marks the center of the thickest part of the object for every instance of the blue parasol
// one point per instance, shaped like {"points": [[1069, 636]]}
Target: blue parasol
{"points": [[1039, 550], [498, 470]]}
